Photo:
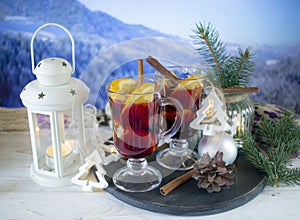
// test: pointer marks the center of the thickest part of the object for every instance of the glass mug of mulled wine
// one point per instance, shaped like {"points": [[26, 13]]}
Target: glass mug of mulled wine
{"points": [[136, 117], [188, 89]]}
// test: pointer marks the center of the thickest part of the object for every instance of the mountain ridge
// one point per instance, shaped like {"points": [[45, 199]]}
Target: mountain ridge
{"points": [[86, 24], [75, 17], [96, 31]]}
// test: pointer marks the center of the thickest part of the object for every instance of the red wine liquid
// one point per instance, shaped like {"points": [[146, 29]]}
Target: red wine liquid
{"points": [[135, 127], [190, 100]]}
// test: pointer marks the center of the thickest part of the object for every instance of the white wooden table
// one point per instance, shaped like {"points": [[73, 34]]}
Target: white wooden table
{"points": [[21, 198]]}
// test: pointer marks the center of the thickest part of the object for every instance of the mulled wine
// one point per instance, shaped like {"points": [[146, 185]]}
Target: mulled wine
{"points": [[188, 92], [135, 132]]}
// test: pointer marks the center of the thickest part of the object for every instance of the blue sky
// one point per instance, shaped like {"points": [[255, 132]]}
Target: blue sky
{"points": [[237, 21]]}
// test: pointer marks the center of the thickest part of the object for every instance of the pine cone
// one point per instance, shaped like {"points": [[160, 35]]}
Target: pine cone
{"points": [[213, 174]]}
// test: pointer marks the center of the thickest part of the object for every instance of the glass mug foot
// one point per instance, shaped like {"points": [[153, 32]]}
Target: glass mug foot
{"points": [[137, 176], [177, 157]]}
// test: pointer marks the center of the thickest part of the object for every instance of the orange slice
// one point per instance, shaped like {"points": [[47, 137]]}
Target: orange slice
{"points": [[143, 94], [144, 88], [191, 82], [123, 85]]}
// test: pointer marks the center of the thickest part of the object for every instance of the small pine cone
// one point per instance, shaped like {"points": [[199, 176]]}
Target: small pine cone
{"points": [[213, 174]]}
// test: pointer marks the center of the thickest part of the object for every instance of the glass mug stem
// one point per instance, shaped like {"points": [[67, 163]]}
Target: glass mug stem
{"points": [[178, 156], [179, 147], [136, 166]]}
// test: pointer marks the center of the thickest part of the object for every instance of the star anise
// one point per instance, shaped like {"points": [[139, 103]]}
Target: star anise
{"points": [[213, 174]]}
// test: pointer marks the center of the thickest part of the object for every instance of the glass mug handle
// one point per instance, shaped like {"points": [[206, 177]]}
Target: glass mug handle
{"points": [[167, 134]]}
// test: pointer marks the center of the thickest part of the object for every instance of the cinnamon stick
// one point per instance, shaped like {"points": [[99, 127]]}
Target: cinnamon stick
{"points": [[169, 187], [160, 68], [141, 71], [239, 90]]}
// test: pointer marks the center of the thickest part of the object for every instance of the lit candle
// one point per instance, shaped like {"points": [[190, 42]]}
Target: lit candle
{"points": [[66, 151]]}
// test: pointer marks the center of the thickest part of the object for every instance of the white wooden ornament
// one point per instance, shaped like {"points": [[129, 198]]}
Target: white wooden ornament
{"points": [[211, 117], [97, 158]]}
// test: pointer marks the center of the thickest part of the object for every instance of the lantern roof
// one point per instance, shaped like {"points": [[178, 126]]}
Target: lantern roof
{"points": [[53, 71], [39, 97]]}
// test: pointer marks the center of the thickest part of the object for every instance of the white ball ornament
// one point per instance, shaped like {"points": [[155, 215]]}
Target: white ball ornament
{"points": [[221, 141]]}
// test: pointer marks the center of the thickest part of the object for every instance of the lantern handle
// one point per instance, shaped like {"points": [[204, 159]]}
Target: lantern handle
{"points": [[57, 25]]}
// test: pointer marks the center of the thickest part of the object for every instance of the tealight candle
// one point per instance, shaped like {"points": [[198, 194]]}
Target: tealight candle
{"points": [[66, 151]]}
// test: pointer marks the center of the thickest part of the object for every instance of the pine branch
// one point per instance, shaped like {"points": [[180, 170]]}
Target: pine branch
{"points": [[281, 131], [245, 67], [211, 48], [254, 155], [234, 71], [291, 176], [279, 139]]}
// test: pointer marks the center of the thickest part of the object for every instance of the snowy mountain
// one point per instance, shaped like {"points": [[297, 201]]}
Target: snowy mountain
{"points": [[92, 31], [71, 14], [95, 33]]}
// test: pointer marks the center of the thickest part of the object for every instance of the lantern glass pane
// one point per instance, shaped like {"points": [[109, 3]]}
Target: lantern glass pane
{"points": [[56, 132], [43, 139], [69, 143]]}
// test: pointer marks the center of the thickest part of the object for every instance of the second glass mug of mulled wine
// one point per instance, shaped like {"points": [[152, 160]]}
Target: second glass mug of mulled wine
{"points": [[188, 89], [136, 115]]}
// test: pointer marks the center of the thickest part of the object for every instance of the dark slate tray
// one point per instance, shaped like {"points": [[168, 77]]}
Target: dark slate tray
{"points": [[188, 199]]}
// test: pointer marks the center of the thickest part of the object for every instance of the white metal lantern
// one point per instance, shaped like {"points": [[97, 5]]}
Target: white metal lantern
{"points": [[55, 113]]}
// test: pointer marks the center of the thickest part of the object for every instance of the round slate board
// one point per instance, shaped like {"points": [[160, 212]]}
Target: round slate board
{"points": [[188, 199]]}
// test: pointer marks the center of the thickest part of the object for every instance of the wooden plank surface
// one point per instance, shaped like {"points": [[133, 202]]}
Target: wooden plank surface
{"points": [[21, 198]]}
